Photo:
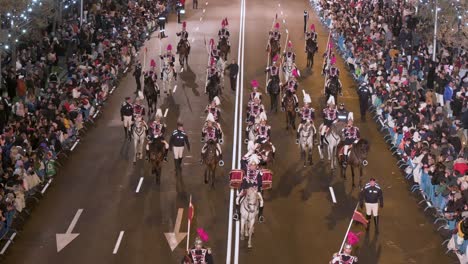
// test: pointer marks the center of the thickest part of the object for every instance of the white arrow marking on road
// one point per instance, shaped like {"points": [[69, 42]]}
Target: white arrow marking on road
{"points": [[64, 239], [201, 18], [173, 239], [282, 14], [303, 93], [287, 32], [117, 244], [165, 112], [332, 194], [284, 21]]}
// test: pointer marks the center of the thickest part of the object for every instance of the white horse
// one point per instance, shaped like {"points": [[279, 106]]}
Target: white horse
{"points": [[221, 68], [288, 68], [168, 77], [306, 141], [249, 211], [139, 135], [332, 139]]}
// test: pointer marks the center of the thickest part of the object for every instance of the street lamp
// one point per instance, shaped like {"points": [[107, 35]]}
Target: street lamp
{"points": [[435, 31]]}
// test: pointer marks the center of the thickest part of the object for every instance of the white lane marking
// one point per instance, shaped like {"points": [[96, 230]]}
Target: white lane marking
{"points": [[46, 186], [284, 21], [8, 243], [112, 90], [175, 88], [287, 32], [332, 194], [174, 238], [63, 239], [196, 29], [165, 112], [74, 145], [117, 244], [188, 156], [206, 3], [187, 163], [139, 185], [126, 69]]}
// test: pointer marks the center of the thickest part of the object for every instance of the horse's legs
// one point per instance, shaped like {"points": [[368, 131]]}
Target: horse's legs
{"points": [[206, 176], [360, 176], [352, 174], [311, 146], [135, 147], [242, 224], [251, 225], [212, 178]]}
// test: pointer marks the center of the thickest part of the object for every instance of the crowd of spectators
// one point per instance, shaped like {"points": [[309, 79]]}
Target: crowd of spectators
{"points": [[55, 87], [420, 103]]}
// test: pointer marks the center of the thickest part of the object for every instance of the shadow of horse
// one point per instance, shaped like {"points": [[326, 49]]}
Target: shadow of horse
{"points": [[341, 210], [190, 80]]}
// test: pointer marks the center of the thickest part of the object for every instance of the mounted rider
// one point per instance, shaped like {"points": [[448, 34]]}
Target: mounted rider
{"points": [[252, 179], [223, 33], [213, 108], [307, 114], [212, 132], [157, 129], [345, 257], [351, 136], [289, 55], [342, 113], [214, 51], [291, 86], [198, 254], [254, 109], [138, 108], [311, 34], [273, 70], [263, 131], [183, 34], [168, 60], [255, 93], [329, 118], [275, 34]]}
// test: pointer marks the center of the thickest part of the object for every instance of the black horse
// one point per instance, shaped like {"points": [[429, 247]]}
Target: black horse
{"points": [[333, 88], [311, 49]]}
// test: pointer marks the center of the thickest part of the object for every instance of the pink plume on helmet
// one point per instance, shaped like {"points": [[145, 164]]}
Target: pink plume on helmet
{"points": [[212, 61], [254, 83], [184, 24], [275, 58], [169, 47], [226, 23], [211, 42], [353, 238], [289, 44], [295, 73], [333, 60], [152, 63], [202, 234], [223, 23], [277, 25], [312, 27]]}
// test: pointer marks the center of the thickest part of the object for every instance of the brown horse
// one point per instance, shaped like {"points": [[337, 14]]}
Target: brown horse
{"points": [[211, 160], [224, 48], [274, 48], [290, 108], [183, 51], [156, 149], [266, 152], [311, 48], [357, 158]]}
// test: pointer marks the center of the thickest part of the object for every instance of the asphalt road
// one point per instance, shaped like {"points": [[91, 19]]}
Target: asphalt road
{"points": [[302, 223]]}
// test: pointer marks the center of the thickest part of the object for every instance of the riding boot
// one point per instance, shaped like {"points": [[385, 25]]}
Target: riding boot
{"points": [[165, 154], [345, 160], [126, 132], [260, 215], [180, 163], [236, 212], [147, 155], [176, 164], [161, 75], [376, 222], [368, 217], [322, 139], [297, 137]]}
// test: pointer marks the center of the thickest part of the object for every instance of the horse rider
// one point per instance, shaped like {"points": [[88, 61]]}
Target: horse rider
{"points": [[183, 34], [212, 73], [329, 117], [126, 115], [289, 56], [198, 254], [351, 136], [214, 51], [291, 86], [169, 60], [345, 257], [223, 33], [263, 131], [252, 178], [212, 131], [138, 108], [255, 93], [334, 72], [307, 114], [275, 34], [254, 109], [213, 108], [311, 34], [157, 129], [342, 113], [178, 140], [273, 70], [371, 195]]}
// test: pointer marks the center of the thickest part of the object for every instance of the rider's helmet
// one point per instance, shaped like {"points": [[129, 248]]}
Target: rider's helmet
{"points": [[216, 101], [307, 100], [341, 107], [289, 46], [275, 59], [254, 85], [138, 100], [331, 101], [277, 25], [226, 23], [202, 237], [212, 44], [350, 122], [158, 115], [169, 48], [348, 249], [128, 99]]}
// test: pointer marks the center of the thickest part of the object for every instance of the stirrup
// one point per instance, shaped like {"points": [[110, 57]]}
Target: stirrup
{"points": [[221, 163], [235, 217], [261, 219]]}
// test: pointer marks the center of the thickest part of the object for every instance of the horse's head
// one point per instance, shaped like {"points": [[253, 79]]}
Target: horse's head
{"points": [[362, 146], [252, 199]]}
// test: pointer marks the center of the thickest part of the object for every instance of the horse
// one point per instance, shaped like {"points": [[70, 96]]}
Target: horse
{"points": [[266, 152], [249, 211], [183, 51], [221, 66], [211, 160], [357, 158], [311, 49], [168, 77], [274, 48], [333, 88], [212, 88], [288, 68], [273, 85], [306, 141], [156, 150], [290, 108], [138, 134], [332, 139], [224, 48], [151, 92]]}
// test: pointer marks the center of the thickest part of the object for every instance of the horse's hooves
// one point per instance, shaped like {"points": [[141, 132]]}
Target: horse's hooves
{"points": [[249, 247]]}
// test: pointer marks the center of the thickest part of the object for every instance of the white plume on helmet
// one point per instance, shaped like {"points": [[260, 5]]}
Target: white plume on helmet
{"points": [[254, 159], [257, 96], [331, 100], [159, 113], [351, 116], [251, 147], [263, 116], [216, 100], [307, 99], [210, 117]]}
